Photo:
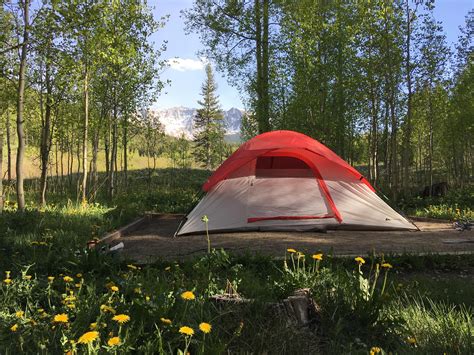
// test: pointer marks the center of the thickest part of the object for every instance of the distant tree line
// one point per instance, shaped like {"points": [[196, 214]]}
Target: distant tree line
{"points": [[373, 80]]}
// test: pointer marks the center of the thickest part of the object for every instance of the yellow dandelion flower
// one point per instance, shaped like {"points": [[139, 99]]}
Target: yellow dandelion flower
{"points": [[113, 341], [50, 278], [291, 250], [88, 337], [121, 318], [79, 275], [411, 340], [14, 327], [188, 296], [61, 318], [166, 321], [186, 331], [114, 288], [375, 350], [387, 265], [19, 314], [7, 281], [77, 285], [137, 290], [147, 298], [360, 260], [205, 327], [317, 256], [68, 279], [93, 326]]}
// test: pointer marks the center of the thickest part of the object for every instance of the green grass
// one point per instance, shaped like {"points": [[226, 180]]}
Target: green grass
{"points": [[455, 206], [428, 300]]}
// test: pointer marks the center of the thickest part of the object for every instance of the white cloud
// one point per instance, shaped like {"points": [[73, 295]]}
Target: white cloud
{"points": [[186, 64]]}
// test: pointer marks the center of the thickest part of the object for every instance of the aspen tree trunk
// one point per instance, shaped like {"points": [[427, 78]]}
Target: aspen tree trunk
{"points": [[430, 162], [85, 138], [107, 146], [95, 153], [265, 64], [9, 147], [2, 197], [20, 107], [113, 155], [125, 147], [408, 127], [259, 79], [45, 140]]}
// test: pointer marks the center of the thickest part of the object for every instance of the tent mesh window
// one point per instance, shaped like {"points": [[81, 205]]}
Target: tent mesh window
{"points": [[278, 167]]}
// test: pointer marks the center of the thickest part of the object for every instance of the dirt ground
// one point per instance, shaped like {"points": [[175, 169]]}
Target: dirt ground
{"points": [[153, 239]]}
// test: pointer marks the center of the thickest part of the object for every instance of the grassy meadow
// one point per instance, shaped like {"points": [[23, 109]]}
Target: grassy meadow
{"points": [[58, 296]]}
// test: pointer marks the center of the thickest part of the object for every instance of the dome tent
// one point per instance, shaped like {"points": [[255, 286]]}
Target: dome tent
{"points": [[283, 180]]}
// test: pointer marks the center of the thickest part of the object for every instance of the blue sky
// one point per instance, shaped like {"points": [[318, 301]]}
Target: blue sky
{"points": [[186, 72]]}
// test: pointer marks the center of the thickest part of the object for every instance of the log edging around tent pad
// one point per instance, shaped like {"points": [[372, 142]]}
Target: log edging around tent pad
{"points": [[134, 225]]}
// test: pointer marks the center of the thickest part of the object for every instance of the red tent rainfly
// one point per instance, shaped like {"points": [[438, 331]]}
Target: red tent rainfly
{"points": [[284, 180]]}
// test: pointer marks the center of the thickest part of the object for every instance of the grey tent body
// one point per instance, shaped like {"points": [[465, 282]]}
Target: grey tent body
{"points": [[284, 180]]}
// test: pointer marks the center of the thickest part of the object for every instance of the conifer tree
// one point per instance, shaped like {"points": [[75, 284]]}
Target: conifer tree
{"points": [[208, 125]]}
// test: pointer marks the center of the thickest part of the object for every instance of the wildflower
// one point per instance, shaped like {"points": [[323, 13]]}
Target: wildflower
{"points": [[300, 255], [19, 314], [68, 279], [360, 260], [113, 341], [205, 327], [387, 265], [79, 275], [188, 296], [166, 321], [50, 278], [132, 267], [71, 306], [147, 298], [7, 281], [205, 219], [375, 350], [137, 290], [114, 288], [411, 340], [186, 331], [61, 318], [70, 298], [77, 285], [88, 337], [291, 250], [14, 327], [317, 256], [93, 326], [121, 318], [7, 274], [104, 308]]}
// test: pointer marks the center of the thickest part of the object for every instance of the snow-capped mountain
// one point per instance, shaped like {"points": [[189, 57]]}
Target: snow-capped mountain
{"points": [[178, 120]]}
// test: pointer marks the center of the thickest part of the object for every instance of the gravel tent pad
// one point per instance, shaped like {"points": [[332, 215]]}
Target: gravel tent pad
{"points": [[151, 238]]}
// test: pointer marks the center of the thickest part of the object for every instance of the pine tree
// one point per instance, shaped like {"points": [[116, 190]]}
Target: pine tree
{"points": [[208, 125]]}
